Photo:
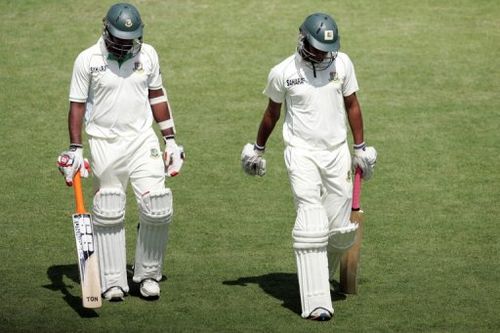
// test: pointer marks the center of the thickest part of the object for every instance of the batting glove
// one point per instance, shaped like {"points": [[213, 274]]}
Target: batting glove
{"points": [[72, 161], [251, 160], [173, 157], [365, 158]]}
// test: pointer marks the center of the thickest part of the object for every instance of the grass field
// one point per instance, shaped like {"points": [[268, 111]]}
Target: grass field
{"points": [[429, 73]]}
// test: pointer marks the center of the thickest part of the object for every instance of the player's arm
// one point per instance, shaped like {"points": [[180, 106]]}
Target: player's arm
{"points": [[173, 155], [70, 161], [364, 157], [252, 161], [75, 122], [161, 112], [355, 118], [268, 122]]}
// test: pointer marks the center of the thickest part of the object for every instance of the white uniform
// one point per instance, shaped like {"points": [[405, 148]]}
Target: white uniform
{"points": [[118, 114], [124, 148], [318, 163], [116, 96], [315, 113]]}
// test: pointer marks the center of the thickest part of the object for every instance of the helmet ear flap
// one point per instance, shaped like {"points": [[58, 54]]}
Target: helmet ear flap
{"points": [[105, 31], [104, 24]]}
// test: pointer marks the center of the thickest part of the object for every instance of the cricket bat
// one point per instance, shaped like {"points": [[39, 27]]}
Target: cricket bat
{"points": [[85, 249], [349, 264]]}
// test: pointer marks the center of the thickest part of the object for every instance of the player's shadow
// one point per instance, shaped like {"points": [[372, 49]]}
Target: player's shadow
{"points": [[72, 294], [282, 286], [56, 275]]}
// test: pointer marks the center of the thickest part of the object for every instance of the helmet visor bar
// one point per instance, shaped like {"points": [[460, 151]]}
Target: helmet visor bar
{"points": [[120, 48], [319, 58]]}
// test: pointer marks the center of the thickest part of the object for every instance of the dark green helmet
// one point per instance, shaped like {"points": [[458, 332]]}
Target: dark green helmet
{"points": [[124, 21], [321, 32], [319, 41], [122, 31]]}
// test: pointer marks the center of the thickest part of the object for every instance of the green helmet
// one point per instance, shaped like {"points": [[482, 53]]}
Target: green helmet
{"points": [[321, 32], [124, 21], [122, 31]]}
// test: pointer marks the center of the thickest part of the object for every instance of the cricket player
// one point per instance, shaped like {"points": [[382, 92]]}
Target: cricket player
{"points": [[117, 90], [318, 86]]}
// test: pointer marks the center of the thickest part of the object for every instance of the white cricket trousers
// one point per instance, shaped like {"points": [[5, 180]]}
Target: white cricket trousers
{"points": [[316, 175], [321, 186], [138, 159]]}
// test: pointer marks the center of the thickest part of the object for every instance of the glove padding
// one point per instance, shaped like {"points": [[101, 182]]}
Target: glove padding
{"points": [[365, 158], [173, 157], [252, 162], [72, 161]]}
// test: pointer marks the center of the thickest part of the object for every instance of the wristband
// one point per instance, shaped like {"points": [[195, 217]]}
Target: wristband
{"points": [[359, 146], [259, 148], [75, 146], [168, 137]]}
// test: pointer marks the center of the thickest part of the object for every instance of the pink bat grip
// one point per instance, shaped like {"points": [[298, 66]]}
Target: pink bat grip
{"points": [[356, 193]]}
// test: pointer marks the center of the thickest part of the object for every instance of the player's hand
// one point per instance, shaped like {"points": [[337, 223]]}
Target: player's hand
{"points": [[252, 161], [173, 157], [72, 161], [365, 158]]}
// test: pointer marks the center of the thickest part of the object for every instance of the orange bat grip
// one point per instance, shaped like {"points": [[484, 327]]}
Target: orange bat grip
{"points": [[77, 187]]}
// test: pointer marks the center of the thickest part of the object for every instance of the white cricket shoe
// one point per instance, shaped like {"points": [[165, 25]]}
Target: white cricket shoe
{"points": [[114, 294], [150, 288], [320, 314]]}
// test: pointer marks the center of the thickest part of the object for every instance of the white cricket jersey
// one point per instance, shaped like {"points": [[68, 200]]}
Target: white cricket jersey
{"points": [[315, 112], [116, 96]]}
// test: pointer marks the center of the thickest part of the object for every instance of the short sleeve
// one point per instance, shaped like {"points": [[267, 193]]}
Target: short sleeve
{"points": [[80, 80], [275, 88], [350, 82], [155, 79]]}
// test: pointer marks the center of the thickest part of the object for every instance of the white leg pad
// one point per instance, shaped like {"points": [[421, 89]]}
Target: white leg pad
{"points": [[109, 230], [310, 236], [340, 240], [155, 216]]}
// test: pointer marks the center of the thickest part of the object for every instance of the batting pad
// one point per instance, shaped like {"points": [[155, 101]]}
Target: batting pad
{"points": [[310, 236], [109, 231], [340, 240], [155, 215]]}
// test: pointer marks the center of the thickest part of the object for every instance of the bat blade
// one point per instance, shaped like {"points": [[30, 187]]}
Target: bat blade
{"points": [[349, 264], [88, 265]]}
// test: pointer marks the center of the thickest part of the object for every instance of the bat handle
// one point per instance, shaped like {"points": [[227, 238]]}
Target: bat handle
{"points": [[356, 193], [77, 188]]}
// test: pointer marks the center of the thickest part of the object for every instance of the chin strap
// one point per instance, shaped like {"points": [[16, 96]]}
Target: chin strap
{"points": [[314, 68]]}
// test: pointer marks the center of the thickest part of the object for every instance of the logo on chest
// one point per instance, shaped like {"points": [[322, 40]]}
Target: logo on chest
{"points": [[138, 67], [295, 82], [97, 69], [334, 76]]}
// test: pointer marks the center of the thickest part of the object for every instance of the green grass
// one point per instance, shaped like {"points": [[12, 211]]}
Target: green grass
{"points": [[429, 75]]}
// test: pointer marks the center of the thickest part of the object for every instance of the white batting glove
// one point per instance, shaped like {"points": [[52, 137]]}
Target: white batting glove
{"points": [[251, 160], [173, 157], [72, 161], [365, 158]]}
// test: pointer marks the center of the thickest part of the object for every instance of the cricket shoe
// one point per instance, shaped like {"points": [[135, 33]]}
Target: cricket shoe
{"points": [[150, 289], [320, 314], [114, 294]]}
